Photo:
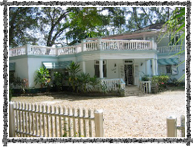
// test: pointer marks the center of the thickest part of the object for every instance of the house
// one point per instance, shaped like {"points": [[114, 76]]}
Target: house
{"points": [[128, 56]]}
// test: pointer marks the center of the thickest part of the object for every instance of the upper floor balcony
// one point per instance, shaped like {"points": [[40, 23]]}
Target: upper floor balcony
{"points": [[96, 45], [173, 49]]}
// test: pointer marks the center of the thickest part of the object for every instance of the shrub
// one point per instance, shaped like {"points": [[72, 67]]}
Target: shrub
{"points": [[42, 77], [145, 78], [160, 81], [58, 80]]}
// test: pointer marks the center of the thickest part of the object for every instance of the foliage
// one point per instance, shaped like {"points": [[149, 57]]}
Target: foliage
{"points": [[145, 78], [83, 81], [160, 81], [94, 82], [18, 83], [21, 20], [103, 87], [42, 77], [53, 25], [73, 69], [58, 78], [174, 26]]}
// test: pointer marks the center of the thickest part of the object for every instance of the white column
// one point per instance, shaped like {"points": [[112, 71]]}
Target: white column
{"points": [[156, 67], [99, 44], [28, 48], [153, 66], [101, 68], [83, 67]]}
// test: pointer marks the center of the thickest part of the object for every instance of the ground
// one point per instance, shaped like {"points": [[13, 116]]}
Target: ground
{"points": [[131, 116]]}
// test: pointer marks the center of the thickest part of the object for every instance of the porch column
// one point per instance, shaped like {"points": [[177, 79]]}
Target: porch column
{"points": [[83, 67], [101, 68], [153, 66], [156, 67]]}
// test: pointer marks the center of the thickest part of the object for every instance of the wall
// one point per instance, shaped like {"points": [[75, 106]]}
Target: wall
{"points": [[181, 67], [21, 66], [34, 63]]}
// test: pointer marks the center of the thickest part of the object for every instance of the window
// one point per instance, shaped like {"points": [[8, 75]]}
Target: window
{"points": [[168, 69], [97, 70], [173, 41]]}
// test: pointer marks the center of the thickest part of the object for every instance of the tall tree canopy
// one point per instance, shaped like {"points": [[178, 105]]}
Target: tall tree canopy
{"points": [[69, 25]]}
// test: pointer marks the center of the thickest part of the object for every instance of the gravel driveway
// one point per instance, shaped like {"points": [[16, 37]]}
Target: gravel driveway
{"points": [[133, 116]]}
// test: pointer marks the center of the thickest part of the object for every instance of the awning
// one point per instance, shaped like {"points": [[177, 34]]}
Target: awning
{"points": [[56, 65], [168, 61], [12, 66]]}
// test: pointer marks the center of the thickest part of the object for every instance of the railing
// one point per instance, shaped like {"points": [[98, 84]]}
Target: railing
{"points": [[126, 45], [17, 51], [100, 44], [145, 86], [69, 50], [170, 49], [113, 84], [32, 120], [39, 50]]}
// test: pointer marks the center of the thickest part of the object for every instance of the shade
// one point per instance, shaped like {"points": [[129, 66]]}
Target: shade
{"points": [[168, 61], [12, 66], [56, 65]]}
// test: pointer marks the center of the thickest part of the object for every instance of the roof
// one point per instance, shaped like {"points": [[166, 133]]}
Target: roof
{"points": [[149, 30], [153, 27]]}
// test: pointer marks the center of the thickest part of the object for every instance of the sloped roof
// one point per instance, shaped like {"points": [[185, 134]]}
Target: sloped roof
{"points": [[153, 27], [149, 29]]}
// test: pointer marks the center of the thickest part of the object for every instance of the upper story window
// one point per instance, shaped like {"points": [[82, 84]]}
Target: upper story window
{"points": [[174, 40]]}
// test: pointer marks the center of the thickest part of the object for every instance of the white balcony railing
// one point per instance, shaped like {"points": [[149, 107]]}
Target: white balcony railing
{"points": [[100, 44], [170, 49]]}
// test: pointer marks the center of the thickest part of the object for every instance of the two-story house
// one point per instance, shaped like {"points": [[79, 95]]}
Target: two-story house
{"points": [[127, 56]]}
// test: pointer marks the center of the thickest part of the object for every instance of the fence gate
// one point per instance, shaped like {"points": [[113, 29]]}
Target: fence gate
{"points": [[32, 120]]}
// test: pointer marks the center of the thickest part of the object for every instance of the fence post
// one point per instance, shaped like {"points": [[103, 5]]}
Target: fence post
{"points": [[171, 126], [98, 118], [182, 126], [11, 120]]}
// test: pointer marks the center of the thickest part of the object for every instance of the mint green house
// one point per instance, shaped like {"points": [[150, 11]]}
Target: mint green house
{"points": [[123, 58]]}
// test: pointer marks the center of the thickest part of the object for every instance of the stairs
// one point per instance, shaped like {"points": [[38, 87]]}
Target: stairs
{"points": [[133, 91]]}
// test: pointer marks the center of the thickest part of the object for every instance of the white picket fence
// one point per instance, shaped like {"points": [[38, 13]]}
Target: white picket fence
{"points": [[35, 120], [172, 127]]}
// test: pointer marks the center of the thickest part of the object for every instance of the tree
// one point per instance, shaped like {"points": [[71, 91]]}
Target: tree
{"points": [[73, 70], [176, 25], [22, 19]]}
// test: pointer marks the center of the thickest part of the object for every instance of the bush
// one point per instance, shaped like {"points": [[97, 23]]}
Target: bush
{"points": [[58, 80], [42, 77], [160, 81]]}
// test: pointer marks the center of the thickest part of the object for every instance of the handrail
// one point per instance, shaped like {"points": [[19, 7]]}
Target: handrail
{"points": [[100, 44]]}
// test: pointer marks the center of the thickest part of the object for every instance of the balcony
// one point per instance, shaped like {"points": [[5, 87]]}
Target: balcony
{"points": [[170, 49], [96, 45]]}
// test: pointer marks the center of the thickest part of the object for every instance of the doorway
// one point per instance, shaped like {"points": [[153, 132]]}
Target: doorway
{"points": [[129, 74]]}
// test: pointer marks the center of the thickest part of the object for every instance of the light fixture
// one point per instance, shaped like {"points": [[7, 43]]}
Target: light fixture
{"points": [[115, 65]]}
